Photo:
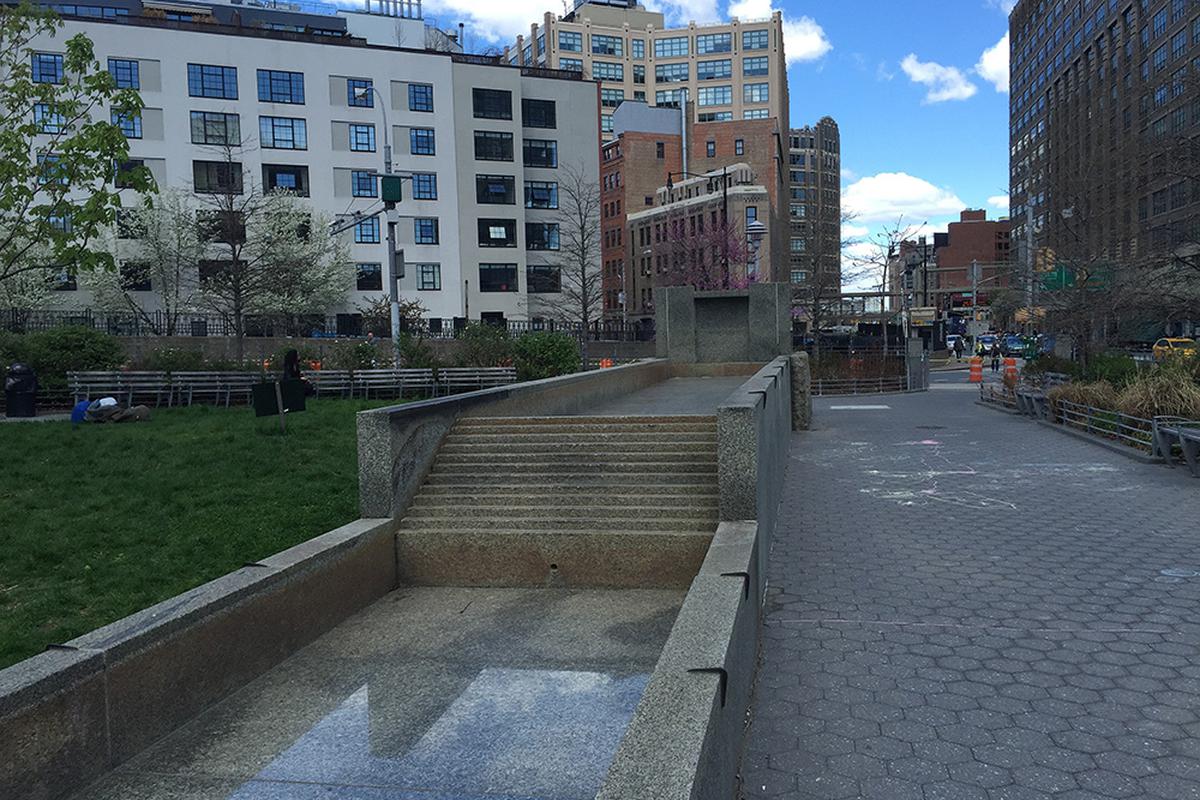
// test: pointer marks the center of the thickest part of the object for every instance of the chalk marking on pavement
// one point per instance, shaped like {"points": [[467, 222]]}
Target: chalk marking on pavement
{"points": [[860, 408]]}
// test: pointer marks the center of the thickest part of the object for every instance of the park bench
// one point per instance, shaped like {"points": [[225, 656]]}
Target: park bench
{"points": [[191, 387], [1170, 432], [393, 382], [1032, 401], [339, 382], [452, 379], [128, 386]]}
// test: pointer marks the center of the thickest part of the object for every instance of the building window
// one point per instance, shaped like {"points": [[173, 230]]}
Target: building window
{"points": [[492, 103], [362, 138], [420, 97], [425, 230], [497, 233], [608, 45], [135, 276], [751, 214], [799, 245], [755, 113], [370, 277], [739, 147], [130, 124], [710, 148], [125, 73], [755, 65], [429, 277], [217, 177], [540, 153], [639, 96], [48, 121], [671, 73], [362, 183], [714, 43], [570, 64], [213, 127], [637, 48], [538, 114], [208, 80], [47, 67], [797, 211], [714, 70], [495, 190], [755, 93], [671, 46], [498, 277], [123, 172], [668, 97], [714, 95], [608, 71], [62, 279], [541, 236], [277, 86], [493, 146], [639, 77], [611, 98], [543, 278], [359, 93], [286, 177], [799, 276], [1160, 59], [421, 141], [424, 186], [571, 41], [282, 133], [660, 150], [367, 231], [541, 194], [755, 40], [1179, 44]]}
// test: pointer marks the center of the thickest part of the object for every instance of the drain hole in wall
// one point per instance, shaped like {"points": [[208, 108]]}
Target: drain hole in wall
{"points": [[554, 566]]}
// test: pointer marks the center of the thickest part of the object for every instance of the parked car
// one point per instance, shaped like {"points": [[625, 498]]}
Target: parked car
{"points": [[1013, 345], [951, 338], [983, 344], [1174, 348]]}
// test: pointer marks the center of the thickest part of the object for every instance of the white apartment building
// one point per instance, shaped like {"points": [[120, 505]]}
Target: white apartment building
{"points": [[731, 70], [483, 142]]}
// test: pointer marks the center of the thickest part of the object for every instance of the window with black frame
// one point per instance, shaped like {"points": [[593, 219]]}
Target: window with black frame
{"points": [[543, 278], [498, 278], [493, 146], [497, 232], [492, 103], [495, 190]]}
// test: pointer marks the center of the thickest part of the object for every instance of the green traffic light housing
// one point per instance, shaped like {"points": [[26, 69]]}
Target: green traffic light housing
{"points": [[390, 188]]}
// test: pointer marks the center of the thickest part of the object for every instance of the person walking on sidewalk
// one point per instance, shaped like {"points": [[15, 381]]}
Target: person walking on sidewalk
{"points": [[996, 357], [958, 349]]}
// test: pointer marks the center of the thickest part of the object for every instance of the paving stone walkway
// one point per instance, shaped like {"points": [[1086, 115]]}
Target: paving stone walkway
{"points": [[965, 606]]}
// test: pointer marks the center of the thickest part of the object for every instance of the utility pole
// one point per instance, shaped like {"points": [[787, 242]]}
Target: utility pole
{"points": [[390, 197], [1029, 273]]}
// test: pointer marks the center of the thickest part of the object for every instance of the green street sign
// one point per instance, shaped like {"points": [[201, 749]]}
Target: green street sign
{"points": [[390, 188]]}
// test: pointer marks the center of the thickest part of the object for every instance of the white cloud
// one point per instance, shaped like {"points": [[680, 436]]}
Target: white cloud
{"points": [[848, 174], [1004, 6], [999, 202], [944, 83], [803, 38], [887, 196], [993, 65], [882, 73]]}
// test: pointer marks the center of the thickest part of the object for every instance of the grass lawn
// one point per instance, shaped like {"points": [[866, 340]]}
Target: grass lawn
{"points": [[103, 520]]}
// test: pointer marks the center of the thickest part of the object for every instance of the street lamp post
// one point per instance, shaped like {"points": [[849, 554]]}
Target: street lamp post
{"points": [[390, 215], [724, 213]]}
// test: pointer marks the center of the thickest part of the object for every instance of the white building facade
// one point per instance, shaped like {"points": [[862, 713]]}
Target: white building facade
{"points": [[482, 142]]}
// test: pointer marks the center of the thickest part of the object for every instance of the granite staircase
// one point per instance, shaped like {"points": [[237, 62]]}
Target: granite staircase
{"points": [[566, 501]]}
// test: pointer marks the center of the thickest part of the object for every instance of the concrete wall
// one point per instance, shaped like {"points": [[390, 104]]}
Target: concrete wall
{"points": [[752, 324], [79, 709], [397, 445], [683, 741]]}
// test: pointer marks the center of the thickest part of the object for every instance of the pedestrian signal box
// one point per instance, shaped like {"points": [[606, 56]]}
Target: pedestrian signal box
{"points": [[390, 188]]}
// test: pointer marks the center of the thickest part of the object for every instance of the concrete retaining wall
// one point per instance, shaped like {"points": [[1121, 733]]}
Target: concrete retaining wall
{"points": [[753, 434], [397, 444], [682, 743], [75, 711]]}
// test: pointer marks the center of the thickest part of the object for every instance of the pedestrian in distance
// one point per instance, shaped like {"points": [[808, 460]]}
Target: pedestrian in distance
{"points": [[958, 349], [996, 357]]}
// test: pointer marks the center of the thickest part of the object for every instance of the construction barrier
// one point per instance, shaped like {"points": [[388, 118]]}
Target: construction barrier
{"points": [[976, 375], [1010, 369]]}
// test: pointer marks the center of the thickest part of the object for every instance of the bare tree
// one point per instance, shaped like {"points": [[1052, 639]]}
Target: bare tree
{"points": [[266, 252], [819, 296], [580, 295], [695, 251], [878, 265]]}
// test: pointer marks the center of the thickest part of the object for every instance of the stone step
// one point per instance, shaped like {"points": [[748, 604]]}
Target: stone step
{"points": [[585, 427], [585, 458], [634, 491], [554, 436], [487, 526], [635, 477], [592, 497], [589, 420], [581, 447], [514, 513]]}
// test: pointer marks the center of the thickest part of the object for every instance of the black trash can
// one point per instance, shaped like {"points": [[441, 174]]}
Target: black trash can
{"points": [[20, 391]]}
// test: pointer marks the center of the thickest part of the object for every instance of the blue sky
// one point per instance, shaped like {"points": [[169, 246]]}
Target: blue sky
{"points": [[918, 87]]}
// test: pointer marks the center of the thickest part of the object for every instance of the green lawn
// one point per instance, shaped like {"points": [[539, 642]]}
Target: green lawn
{"points": [[100, 521]]}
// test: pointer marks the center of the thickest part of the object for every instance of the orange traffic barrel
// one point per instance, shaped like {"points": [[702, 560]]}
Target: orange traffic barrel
{"points": [[1010, 368], [605, 363], [976, 375]]}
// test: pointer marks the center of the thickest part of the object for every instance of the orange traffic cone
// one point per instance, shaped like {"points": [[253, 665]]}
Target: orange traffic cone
{"points": [[976, 375]]}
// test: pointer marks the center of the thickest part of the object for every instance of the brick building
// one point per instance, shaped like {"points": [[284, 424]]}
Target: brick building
{"points": [[974, 238], [815, 203]]}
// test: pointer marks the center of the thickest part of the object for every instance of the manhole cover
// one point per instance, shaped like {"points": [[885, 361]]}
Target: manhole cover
{"points": [[931, 427]]}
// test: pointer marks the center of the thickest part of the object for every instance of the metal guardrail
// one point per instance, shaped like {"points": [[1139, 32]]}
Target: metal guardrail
{"points": [[1134, 431], [851, 386], [997, 394]]}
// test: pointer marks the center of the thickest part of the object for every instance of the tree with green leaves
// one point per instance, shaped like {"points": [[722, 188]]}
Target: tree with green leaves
{"points": [[60, 145]]}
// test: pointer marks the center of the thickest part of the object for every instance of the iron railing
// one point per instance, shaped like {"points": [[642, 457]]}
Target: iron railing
{"points": [[1133, 431], [823, 387], [284, 325]]}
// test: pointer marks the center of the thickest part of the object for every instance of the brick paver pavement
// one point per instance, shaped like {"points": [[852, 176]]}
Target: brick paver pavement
{"points": [[965, 605]]}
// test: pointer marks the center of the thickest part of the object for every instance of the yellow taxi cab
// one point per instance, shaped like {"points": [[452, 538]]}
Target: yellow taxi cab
{"points": [[1174, 348]]}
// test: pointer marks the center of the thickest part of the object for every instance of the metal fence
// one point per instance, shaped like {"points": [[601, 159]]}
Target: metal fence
{"points": [[299, 325], [1133, 431], [822, 387]]}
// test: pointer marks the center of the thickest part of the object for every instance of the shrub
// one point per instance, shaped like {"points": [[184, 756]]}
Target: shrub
{"points": [[358, 355], [173, 359], [1165, 390], [1048, 362], [12, 349], [485, 346], [416, 353], [1117, 368], [544, 355], [307, 353], [1100, 394], [54, 353]]}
